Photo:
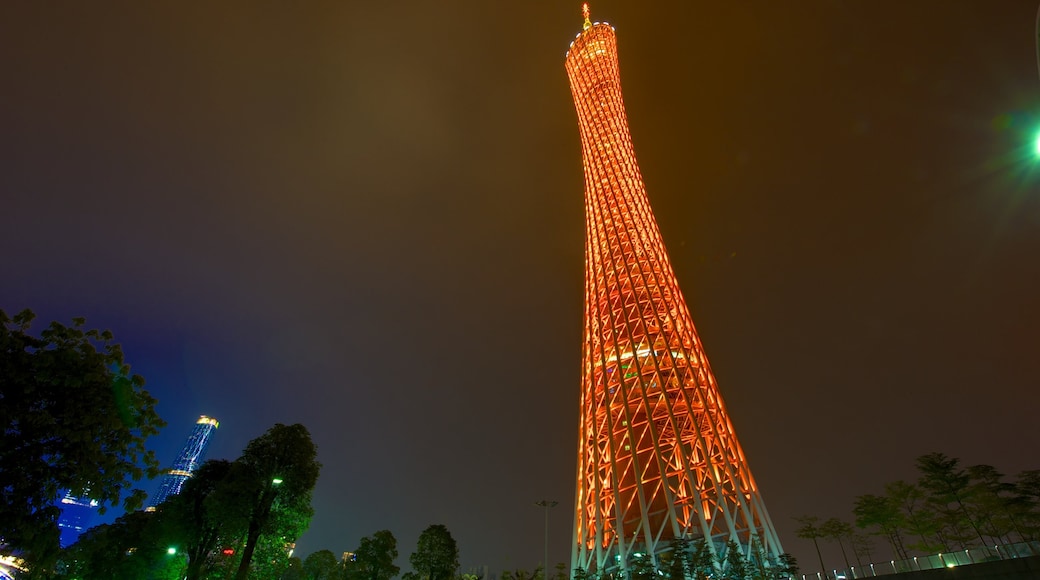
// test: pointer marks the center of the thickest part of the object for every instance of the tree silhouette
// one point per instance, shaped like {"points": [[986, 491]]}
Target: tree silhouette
{"points": [[74, 419], [436, 556], [277, 470]]}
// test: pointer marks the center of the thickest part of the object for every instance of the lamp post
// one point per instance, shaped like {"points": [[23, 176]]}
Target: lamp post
{"points": [[547, 504]]}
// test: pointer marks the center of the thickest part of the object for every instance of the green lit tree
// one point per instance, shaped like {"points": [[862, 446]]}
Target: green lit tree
{"points": [[135, 545], [276, 472], [75, 419], [206, 517]]}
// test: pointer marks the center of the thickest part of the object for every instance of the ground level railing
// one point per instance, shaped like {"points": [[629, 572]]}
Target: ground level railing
{"points": [[932, 562]]}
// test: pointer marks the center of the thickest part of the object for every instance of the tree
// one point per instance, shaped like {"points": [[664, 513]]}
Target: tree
{"points": [[787, 567], [276, 470], [734, 564], [294, 570], [838, 530], [1026, 502], [862, 545], [320, 565], [136, 545], [641, 567], [883, 516], [702, 559], [948, 491], [991, 502], [809, 529], [436, 556], [919, 520], [74, 419], [374, 558], [206, 516], [675, 562]]}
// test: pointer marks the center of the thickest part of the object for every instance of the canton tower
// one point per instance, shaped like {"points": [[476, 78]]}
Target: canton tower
{"points": [[188, 461], [658, 458]]}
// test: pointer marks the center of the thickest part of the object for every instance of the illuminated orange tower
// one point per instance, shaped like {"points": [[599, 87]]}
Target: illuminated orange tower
{"points": [[657, 454]]}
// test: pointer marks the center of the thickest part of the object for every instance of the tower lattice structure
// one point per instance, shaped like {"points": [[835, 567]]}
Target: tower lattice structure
{"points": [[189, 460], [658, 457]]}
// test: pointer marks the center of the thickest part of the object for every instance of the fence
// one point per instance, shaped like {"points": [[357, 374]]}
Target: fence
{"points": [[932, 562]]}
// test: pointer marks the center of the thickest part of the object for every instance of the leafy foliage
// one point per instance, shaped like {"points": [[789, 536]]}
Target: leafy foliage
{"points": [[839, 531], [136, 545], [809, 528], [206, 517], [209, 522], [374, 558], [948, 508], [321, 565], [276, 474], [436, 556], [75, 419]]}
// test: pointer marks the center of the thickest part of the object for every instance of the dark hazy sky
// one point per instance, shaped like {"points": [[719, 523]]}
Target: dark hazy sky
{"points": [[366, 217]]}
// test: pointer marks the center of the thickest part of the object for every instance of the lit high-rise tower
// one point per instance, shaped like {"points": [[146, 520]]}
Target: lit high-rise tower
{"points": [[657, 455], [191, 456]]}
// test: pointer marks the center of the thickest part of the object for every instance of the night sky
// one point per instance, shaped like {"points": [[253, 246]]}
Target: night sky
{"points": [[367, 217]]}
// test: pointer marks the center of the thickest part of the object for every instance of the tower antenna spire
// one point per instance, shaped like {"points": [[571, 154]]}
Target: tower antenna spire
{"points": [[585, 13]]}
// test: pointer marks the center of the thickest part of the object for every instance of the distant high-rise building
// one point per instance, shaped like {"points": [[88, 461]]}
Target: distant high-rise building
{"points": [[76, 514], [658, 458], [191, 456]]}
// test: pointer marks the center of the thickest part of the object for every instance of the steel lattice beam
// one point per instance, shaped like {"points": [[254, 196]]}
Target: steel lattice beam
{"points": [[657, 454]]}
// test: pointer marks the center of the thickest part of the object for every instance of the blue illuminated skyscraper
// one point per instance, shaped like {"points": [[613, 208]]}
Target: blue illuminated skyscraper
{"points": [[188, 461], [76, 515]]}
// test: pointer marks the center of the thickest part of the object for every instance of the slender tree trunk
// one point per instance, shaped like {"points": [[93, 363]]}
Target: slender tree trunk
{"points": [[247, 552], [819, 555], [845, 557], [256, 523]]}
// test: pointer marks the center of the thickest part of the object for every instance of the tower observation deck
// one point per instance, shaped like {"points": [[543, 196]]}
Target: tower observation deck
{"points": [[658, 457], [189, 460]]}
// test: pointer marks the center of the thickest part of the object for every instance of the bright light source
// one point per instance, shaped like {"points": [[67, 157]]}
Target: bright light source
{"points": [[1038, 144], [171, 550], [276, 481]]}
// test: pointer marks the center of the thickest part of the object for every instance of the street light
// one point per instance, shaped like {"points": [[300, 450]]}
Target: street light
{"points": [[547, 504]]}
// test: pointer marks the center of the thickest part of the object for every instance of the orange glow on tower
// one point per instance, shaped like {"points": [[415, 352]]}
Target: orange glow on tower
{"points": [[657, 454]]}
